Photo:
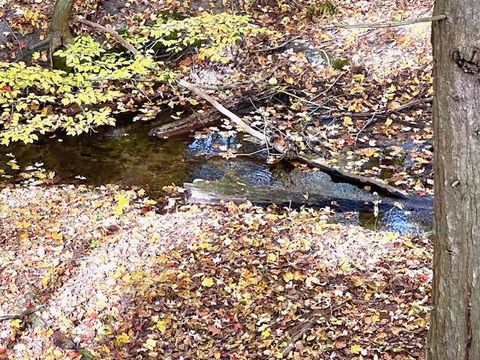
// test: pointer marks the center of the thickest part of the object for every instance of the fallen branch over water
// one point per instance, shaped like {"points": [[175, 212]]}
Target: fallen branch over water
{"points": [[338, 174], [197, 120]]}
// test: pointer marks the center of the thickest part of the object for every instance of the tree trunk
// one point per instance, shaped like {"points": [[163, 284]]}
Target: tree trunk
{"points": [[59, 32], [455, 325]]}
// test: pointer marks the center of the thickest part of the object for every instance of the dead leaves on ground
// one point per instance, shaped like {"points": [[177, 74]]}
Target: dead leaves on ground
{"points": [[225, 283]]}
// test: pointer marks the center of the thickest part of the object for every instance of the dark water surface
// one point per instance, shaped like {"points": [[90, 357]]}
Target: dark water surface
{"points": [[126, 155]]}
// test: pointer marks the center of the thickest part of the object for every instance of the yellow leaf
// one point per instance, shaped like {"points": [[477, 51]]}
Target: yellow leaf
{"points": [[57, 236], [420, 322], [288, 276], [15, 324], [359, 77], [311, 280], [346, 267], [44, 281], [356, 349], [162, 326], [122, 204], [272, 257], [205, 245], [370, 152], [389, 122], [24, 236], [390, 236], [392, 88], [267, 332], [13, 165], [150, 344], [357, 280], [208, 282], [396, 330], [297, 275], [121, 339], [347, 121]]}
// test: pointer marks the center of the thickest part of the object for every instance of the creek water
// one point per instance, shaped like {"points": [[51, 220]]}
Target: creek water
{"points": [[127, 156]]}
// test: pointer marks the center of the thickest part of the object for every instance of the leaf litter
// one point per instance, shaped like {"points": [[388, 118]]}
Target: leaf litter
{"points": [[87, 280], [97, 273]]}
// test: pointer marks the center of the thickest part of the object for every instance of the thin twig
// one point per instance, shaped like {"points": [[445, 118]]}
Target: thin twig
{"points": [[367, 124], [282, 45], [385, 112], [20, 315], [379, 25], [14, 36], [110, 31], [300, 98], [307, 326]]}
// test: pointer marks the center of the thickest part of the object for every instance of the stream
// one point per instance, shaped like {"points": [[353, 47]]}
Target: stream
{"points": [[127, 156]]}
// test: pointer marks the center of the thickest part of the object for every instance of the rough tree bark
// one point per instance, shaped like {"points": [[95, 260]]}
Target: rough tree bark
{"points": [[59, 32], [455, 325]]}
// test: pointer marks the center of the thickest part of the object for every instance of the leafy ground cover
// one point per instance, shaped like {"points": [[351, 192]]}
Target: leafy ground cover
{"points": [[97, 272]]}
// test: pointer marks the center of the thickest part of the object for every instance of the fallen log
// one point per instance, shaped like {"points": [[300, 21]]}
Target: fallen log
{"points": [[191, 123], [202, 192], [338, 174], [345, 176], [197, 120]]}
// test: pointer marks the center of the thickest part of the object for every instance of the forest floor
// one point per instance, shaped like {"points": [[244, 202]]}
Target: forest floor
{"points": [[97, 272]]}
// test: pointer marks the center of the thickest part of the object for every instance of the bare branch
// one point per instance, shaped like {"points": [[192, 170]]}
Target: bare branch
{"points": [[20, 315], [110, 31], [235, 119], [379, 25]]}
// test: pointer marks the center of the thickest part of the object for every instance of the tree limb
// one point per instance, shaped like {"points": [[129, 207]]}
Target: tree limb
{"points": [[379, 25], [235, 119], [110, 31]]}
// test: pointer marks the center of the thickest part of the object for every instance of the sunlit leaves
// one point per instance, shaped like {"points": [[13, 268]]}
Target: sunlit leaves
{"points": [[121, 339], [208, 282], [35, 101], [213, 34], [123, 202]]}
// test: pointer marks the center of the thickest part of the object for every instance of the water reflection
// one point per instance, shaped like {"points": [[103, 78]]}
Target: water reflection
{"points": [[126, 155]]}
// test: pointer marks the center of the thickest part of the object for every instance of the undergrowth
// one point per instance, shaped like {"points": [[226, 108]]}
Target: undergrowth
{"points": [[96, 78]]}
